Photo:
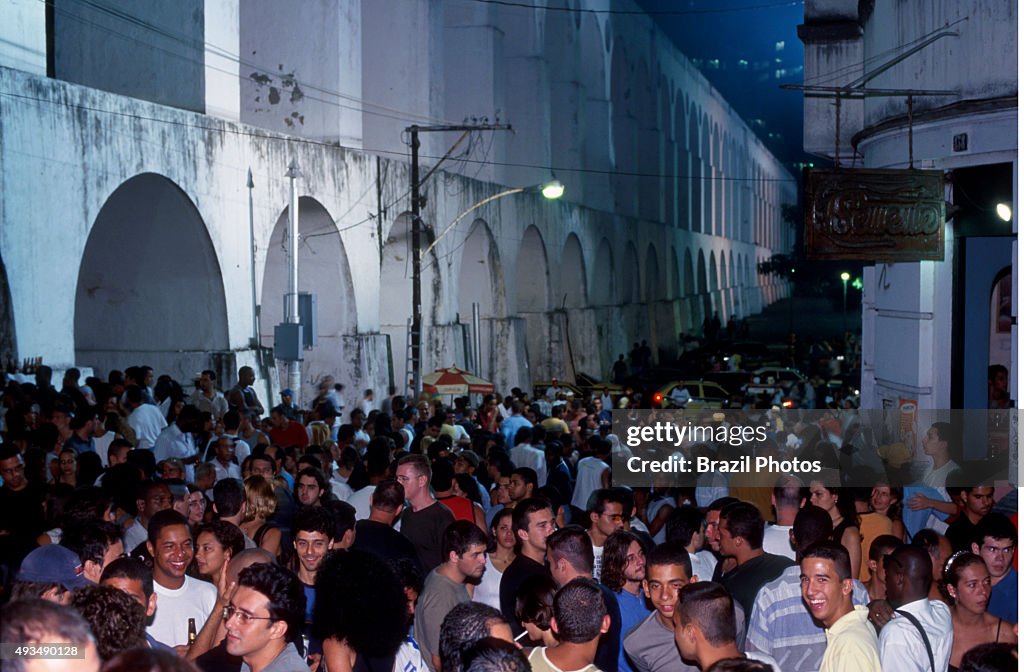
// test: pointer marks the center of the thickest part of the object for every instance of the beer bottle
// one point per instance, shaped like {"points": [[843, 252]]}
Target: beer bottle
{"points": [[191, 631]]}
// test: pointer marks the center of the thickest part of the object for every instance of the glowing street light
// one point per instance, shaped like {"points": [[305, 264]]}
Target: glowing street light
{"points": [[1004, 212]]}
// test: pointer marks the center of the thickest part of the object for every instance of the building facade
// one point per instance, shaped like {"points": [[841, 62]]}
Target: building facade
{"points": [[932, 329], [130, 232]]}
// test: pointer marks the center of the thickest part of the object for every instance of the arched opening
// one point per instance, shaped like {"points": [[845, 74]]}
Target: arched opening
{"points": [[602, 276], [533, 300], [624, 132], [696, 169], [654, 282], [673, 290], [573, 275], [630, 286], [8, 336], [596, 113], [150, 289], [532, 281], [323, 272], [702, 285], [689, 290], [480, 283]]}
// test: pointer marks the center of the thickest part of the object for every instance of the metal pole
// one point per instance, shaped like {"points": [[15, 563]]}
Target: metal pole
{"points": [[252, 265], [844, 312], [477, 363], [294, 367], [417, 318]]}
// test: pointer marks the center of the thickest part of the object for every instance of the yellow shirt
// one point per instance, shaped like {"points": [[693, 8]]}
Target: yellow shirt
{"points": [[539, 662], [852, 644]]}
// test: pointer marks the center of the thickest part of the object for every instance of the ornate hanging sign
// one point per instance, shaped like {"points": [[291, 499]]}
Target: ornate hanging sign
{"points": [[874, 215]]}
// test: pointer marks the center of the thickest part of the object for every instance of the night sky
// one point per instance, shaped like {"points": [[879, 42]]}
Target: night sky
{"points": [[746, 52]]}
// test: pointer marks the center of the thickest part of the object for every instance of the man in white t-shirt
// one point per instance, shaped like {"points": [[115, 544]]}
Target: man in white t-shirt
{"points": [[146, 420], [181, 597], [787, 500]]}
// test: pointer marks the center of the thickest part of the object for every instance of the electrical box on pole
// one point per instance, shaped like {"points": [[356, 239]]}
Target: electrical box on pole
{"points": [[307, 318], [288, 342]]}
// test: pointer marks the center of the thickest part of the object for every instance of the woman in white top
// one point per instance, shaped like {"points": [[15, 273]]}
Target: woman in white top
{"points": [[501, 553], [936, 445]]}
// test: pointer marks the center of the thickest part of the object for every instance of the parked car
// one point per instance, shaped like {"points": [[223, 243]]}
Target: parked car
{"points": [[703, 394], [770, 380]]}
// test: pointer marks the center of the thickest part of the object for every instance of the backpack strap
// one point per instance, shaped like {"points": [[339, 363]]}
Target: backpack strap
{"points": [[920, 628]]}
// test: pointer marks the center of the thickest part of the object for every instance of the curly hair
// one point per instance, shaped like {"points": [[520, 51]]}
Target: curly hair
{"points": [[116, 618], [366, 604], [613, 564], [260, 498], [465, 624], [227, 535]]}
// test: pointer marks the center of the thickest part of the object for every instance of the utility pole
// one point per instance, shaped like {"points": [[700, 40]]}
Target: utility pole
{"points": [[416, 331], [294, 366]]}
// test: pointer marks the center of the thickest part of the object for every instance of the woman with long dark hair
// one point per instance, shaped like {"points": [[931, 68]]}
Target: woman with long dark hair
{"points": [[967, 587], [500, 554], [845, 528]]}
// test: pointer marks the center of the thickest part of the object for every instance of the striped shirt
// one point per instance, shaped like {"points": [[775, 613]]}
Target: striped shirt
{"points": [[781, 626]]}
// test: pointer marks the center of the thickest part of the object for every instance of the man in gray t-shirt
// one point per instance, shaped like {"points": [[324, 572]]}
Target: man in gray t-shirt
{"points": [[651, 645], [465, 551]]}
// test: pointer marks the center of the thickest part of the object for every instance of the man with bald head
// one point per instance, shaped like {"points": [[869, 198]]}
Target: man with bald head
{"points": [[919, 638]]}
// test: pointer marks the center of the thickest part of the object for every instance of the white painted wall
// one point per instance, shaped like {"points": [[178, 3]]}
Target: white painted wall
{"points": [[366, 71]]}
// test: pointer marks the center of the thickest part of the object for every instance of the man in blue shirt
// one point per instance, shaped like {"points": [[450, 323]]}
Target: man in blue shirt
{"points": [[513, 423], [623, 571], [996, 541]]}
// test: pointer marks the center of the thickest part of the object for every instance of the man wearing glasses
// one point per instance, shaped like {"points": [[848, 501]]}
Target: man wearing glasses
{"points": [[996, 541], [264, 618]]}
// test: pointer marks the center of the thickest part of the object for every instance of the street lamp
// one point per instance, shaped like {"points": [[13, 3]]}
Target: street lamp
{"points": [[845, 277], [550, 190]]}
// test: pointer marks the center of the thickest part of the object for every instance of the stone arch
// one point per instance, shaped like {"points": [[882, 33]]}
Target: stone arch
{"points": [[573, 275], [674, 284], [713, 284], [688, 285], [706, 175], [682, 166], [696, 169], [480, 277], [323, 272], [702, 285], [654, 281], [690, 290], [624, 132], [150, 288], [630, 285], [533, 291], [8, 335], [481, 283], [724, 284], [602, 276], [596, 111]]}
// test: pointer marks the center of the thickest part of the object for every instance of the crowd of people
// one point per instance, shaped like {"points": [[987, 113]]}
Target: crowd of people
{"points": [[145, 528]]}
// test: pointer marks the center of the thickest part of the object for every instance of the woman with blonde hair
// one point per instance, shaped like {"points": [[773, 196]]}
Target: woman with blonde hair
{"points": [[261, 503]]}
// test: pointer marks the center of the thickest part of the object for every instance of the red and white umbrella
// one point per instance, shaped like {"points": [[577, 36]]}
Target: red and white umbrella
{"points": [[455, 381]]}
